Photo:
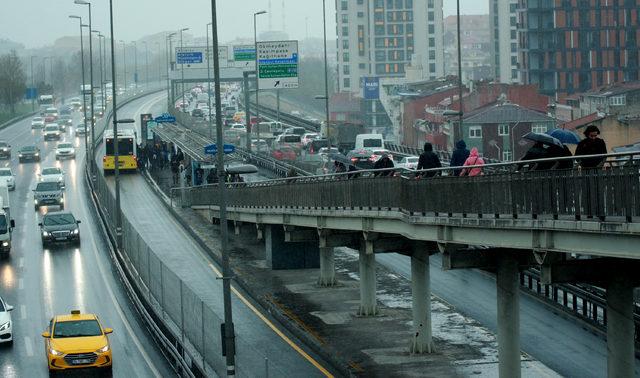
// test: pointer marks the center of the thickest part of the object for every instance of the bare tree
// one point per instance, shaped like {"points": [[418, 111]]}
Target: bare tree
{"points": [[12, 80]]}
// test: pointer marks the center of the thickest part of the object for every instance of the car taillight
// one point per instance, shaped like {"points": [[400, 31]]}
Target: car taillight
{"points": [[104, 158], [353, 159], [135, 158], [373, 157]]}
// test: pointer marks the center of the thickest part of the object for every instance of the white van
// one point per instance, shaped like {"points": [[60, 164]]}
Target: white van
{"points": [[369, 142]]}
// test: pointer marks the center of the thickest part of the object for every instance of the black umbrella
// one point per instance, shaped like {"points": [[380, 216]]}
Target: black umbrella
{"points": [[543, 138], [340, 158]]}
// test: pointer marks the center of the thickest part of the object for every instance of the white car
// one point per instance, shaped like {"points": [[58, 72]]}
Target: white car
{"points": [[7, 177], [239, 127], [52, 174], [52, 131], [308, 137], [65, 150], [6, 326], [80, 129], [37, 123], [408, 162]]}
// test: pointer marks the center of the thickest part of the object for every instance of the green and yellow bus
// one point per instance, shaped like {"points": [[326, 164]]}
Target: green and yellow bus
{"points": [[127, 150]]}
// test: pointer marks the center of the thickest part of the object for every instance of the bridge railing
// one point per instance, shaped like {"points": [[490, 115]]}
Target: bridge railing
{"points": [[502, 192]]}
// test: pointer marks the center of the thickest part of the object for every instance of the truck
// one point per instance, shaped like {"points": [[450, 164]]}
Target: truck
{"points": [[342, 134], [46, 101], [6, 223]]}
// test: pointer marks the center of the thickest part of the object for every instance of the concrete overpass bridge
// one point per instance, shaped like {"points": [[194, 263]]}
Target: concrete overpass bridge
{"points": [[506, 220]]}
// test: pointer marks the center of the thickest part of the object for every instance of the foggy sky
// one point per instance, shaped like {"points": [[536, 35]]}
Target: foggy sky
{"points": [[36, 23]]}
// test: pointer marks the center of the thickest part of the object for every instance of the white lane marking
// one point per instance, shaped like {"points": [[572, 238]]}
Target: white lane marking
{"points": [[23, 312], [135, 339], [28, 346], [21, 263], [20, 284]]}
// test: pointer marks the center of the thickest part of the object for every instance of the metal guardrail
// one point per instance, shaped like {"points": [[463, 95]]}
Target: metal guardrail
{"points": [[501, 192], [586, 302], [192, 136]]}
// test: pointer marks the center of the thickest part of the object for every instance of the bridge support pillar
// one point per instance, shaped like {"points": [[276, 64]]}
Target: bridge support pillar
{"points": [[327, 267], [508, 287], [368, 306], [620, 328], [422, 341]]}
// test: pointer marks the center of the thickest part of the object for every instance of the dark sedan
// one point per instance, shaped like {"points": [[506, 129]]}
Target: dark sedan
{"points": [[59, 226], [29, 153]]}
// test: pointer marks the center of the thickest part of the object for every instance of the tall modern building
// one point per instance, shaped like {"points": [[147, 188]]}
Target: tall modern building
{"points": [[379, 38], [503, 17], [569, 46]]}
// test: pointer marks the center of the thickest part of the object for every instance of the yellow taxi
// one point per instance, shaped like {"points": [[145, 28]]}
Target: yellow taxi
{"points": [[77, 341]]}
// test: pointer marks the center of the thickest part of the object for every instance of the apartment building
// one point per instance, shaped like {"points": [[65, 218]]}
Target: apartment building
{"points": [[573, 46], [503, 18], [379, 38]]}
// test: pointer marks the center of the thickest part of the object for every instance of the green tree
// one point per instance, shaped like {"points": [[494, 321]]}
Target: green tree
{"points": [[12, 80]]}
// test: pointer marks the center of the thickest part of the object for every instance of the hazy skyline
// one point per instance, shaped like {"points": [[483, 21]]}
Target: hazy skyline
{"points": [[36, 23]]}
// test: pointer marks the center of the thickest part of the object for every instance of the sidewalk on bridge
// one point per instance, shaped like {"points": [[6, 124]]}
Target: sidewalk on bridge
{"points": [[326, 317]]}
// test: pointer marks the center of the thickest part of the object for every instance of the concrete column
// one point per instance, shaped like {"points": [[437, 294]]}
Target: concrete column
{"points": [[327, 267], [507, 282], [421, 292], [183, 185], [368, 306], [620, 328]]}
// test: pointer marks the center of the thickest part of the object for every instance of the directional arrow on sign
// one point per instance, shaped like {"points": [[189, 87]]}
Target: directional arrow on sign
{"points": [[276, 84]]}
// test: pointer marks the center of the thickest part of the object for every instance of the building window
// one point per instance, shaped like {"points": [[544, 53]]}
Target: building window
{"points": [[344, 5], [346, 83], [507, 156], [345, 69], [345, 18], [475, 132], [538, 128], [503, 129], [345, 31], [345, 43], [360, 15], [618, 101], [362, 66], [345, 57]]}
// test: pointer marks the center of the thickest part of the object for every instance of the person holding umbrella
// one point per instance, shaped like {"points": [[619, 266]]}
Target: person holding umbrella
{"points": [[591, 145]]}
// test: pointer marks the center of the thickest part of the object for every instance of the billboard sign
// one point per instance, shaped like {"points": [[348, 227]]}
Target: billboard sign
{"points": [[244, 56], [197, 57], [371, 88], [278, 64]]}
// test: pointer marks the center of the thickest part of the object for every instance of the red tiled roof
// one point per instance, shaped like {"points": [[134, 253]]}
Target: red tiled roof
{"points": [[576, 123]]}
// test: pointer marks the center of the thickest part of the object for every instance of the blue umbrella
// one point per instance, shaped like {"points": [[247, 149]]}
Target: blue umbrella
{"points": [[565, 136]]}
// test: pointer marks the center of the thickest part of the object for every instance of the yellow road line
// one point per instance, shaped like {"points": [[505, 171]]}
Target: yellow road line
{"points": [[275, 329]]}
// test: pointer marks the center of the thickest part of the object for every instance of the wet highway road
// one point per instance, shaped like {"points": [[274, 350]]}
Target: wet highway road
{"points": [[254, 336], [40, 283]]}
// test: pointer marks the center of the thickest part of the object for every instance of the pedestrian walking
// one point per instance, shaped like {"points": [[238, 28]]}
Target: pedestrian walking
{"points": [[537, 151], [473, 159], [591, 145], [428, 160], [459, 156], [384, 163]]}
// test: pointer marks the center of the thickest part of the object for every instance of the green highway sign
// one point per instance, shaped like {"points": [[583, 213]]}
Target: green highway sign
{"points": [[244, 53], [277, 64]]}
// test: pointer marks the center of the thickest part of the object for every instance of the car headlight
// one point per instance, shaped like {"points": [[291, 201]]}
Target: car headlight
{"points": [[45, 233], [59, 179], [37, 154], [35, 201], [5, 243], [103, 349], [76, 232], [5, 326], [19, 155], [55, 352]]}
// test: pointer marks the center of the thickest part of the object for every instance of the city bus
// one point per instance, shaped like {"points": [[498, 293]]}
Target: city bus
{"points": [[46, 101], [127, 149]]}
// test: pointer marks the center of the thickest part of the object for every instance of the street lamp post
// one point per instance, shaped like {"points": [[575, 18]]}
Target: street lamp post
{"points": [[457, 131], [102, 90], [114, 116], [93, 123], [255, 44], [84, 101], [182, 69], [169, 51], [326, 71], [229, 334], [209, 83]]}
